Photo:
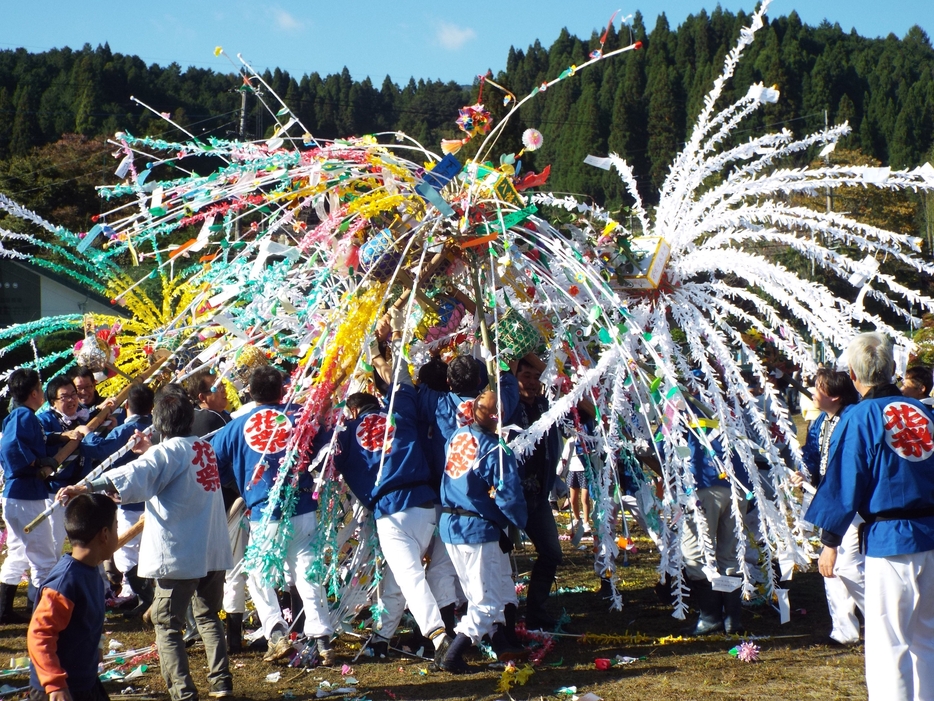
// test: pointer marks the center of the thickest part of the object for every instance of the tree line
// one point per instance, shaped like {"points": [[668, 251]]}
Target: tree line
{"points": [[639, 105]]}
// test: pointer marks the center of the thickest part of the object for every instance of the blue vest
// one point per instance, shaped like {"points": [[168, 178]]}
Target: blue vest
{"points": [[706, 471]]}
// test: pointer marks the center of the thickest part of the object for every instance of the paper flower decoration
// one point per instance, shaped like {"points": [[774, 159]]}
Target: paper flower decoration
{"points": [[475, 120], [747, 651], [532, 139]]}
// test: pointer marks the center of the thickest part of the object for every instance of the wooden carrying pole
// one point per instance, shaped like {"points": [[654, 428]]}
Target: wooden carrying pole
{"points": [[131, 532]]}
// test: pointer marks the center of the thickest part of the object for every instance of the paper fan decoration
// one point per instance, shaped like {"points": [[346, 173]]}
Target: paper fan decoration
{"points": [[532, 140]]}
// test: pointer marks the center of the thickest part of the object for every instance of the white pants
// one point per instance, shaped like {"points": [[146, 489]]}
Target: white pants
{"points": [[127, 557], [33, 551], [846, 591], [405, 538], [297, 561], [900, 627], [235, 581], [440, 573], [479, 569]]}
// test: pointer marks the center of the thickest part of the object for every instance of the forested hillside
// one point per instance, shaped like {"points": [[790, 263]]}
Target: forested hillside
{"points": [[639, 105]]}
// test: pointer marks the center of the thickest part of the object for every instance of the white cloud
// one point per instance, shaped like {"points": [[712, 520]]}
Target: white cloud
{"points": [[451, 37], [285, 21]]}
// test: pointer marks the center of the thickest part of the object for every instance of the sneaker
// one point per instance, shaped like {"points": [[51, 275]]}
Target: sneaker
{"points": [[572, 526], [220, 693], [278, 650], [379, 650], [325, 651]]}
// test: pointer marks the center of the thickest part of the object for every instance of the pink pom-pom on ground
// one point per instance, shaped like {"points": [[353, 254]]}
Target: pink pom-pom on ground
{"points": [[747, 651]]}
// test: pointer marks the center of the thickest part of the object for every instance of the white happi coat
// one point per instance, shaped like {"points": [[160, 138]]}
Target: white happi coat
{"points": [[186, 526]]}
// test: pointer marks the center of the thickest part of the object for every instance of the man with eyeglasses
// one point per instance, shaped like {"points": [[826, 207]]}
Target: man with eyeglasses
{"points": [[63, 422], [90, 402]]}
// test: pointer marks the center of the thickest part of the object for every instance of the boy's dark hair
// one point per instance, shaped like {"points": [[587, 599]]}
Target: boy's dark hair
{"points": [[837, 384], [86, 373], [921, 375], [361, 400], [266, 385], [22, 382], [86, 515], [463, 374], [140, 400], [201, 383], [434, 375], [54, 385], [173, 413]]}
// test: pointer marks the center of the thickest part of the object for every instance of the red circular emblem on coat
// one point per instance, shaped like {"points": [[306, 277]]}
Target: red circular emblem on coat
{"points": [[371, 431], [267, 431], [908, 431], [461, 455]]}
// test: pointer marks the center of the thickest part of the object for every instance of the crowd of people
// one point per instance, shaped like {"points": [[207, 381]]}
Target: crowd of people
{"points": [[426, 458]]}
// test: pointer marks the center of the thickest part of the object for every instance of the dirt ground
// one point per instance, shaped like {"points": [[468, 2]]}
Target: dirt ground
{"points": [[796, 661]]}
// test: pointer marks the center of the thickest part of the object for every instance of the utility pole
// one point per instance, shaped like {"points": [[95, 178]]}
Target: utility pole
{"points": [[245, 88], [827, 162]]}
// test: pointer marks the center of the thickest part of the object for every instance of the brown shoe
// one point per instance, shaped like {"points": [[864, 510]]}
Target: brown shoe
{"points": [[278, 650]]}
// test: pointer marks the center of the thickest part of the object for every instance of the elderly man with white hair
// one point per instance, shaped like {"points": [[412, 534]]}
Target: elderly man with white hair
{"points": [[881, 465]]}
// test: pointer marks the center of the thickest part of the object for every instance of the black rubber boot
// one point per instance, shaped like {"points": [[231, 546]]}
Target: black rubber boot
{"points": [[442, 644], [234, 633], [710, 605], [7, 614], [453, 661], [449, 616], [733, 612], [511, 613], [506, 652], [536, 617], [144, 590]]}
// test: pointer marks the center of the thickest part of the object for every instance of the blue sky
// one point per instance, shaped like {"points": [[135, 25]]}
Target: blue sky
{"points": [[401, 38]]}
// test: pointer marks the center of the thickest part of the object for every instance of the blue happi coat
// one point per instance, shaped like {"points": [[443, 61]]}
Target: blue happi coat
{"points": [[405, 478], [442, 413], [475, 482], [881, 465], [249, 450], [23, 443]]}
